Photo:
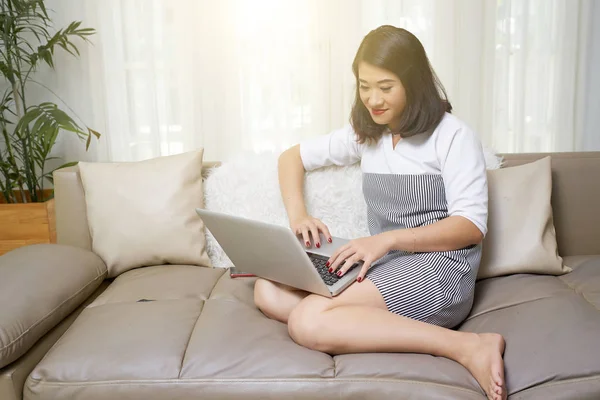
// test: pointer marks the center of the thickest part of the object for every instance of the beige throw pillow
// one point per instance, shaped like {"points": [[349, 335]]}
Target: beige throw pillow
{"points": [[143, 213], [521, 236]]}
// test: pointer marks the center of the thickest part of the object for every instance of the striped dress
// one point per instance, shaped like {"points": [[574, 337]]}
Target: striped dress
{"points": [[434, 287], [420, 181]]}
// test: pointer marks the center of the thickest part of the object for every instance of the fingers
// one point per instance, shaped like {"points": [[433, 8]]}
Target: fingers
{"points": [[363, 270], [343, 255], [323, 228], [312, 227], [308, 230], [305, 236], [349, 263], [336, 254], [315, 234]]}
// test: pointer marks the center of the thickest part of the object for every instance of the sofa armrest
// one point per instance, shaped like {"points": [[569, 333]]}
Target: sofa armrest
{"points": [[70, 209], [39, 286]]}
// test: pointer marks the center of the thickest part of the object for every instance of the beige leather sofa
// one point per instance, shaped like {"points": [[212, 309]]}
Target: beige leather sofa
{"points": [[185, 332]]}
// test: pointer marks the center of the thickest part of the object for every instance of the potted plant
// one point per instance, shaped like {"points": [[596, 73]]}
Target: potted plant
{"points": [[29, 131]]}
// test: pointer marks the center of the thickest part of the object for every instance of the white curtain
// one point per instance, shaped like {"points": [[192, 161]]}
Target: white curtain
{"points": [[233, 76]]}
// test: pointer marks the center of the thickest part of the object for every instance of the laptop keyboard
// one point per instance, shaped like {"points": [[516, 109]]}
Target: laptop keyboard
{"points": [[330, 278]]}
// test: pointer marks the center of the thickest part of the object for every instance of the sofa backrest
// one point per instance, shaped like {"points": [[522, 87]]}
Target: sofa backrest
{"points": [[575, 201]]}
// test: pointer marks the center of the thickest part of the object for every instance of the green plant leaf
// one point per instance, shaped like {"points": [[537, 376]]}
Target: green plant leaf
{"points": [[47, 56], [28, 136], [69, 164], [95, 133], [75, 51], [43, 8], [89, 137], [31, 114]]}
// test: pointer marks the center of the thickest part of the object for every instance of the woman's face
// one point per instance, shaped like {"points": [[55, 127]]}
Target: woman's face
{"points": [[382, 94]]}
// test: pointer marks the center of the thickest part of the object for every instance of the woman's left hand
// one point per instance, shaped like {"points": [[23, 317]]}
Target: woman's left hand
{"points": [[367, 249]]}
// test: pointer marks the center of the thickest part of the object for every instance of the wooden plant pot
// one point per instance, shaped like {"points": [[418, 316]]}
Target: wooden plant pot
{"points": [[24, 224]]}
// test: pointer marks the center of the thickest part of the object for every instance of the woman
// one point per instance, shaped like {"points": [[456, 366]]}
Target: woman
{"points": [[424, 182]]}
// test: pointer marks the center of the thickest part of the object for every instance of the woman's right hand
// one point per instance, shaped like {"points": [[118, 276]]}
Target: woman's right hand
{"points": [[307, 224]]}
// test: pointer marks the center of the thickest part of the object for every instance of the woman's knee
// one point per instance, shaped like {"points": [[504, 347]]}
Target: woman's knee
{"points": [[305, 325]]}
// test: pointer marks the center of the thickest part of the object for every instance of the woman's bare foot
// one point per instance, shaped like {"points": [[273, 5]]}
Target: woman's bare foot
{"points": [[484, 361]]}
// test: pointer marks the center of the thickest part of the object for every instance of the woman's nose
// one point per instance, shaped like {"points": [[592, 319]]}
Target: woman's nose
{"points": [[375, 100]]}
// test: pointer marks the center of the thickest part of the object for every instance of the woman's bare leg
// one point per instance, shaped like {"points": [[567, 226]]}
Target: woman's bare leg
{"points": [[276, 300], [358, 321]]}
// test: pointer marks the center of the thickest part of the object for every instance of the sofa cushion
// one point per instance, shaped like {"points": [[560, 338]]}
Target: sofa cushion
{"points": [[14, 375], [39, 286], [585, 280], [201, 335], [143, 213], [180, 331], [521, 236], [551, 326], [162, 282]]}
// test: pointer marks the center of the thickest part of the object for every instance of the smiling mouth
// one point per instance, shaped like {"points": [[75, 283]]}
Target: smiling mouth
{"points": [[378, 112]]}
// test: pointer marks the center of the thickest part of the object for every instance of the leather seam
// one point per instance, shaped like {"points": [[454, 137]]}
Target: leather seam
{"points": [[189, 340], [508, 306], [580, 294], [558, 383], [216, 283], [246, 381], [52, 311], [334, 367]]}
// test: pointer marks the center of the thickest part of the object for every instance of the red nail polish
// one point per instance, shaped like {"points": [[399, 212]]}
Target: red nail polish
{"points": [[359, 279], [327, 265], [329, 240], [339, 273], [330, 270], [318, 245], [307, 244]]}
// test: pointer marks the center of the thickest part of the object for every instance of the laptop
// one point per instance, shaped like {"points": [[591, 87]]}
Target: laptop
{"points": [[275, 253]]}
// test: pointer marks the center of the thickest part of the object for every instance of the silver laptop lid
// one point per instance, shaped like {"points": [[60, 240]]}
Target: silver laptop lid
{"points": [[269, 251]]}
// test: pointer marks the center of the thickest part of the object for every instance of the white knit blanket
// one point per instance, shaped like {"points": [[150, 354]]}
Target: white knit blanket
{"points": [[248, 187]]}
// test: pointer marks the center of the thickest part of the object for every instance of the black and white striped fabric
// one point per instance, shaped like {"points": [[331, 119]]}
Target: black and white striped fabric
{"points": [[434, 287]]}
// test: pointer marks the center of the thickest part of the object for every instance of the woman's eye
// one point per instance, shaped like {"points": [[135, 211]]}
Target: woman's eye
{"points": [[363, 87], [386, 89]]}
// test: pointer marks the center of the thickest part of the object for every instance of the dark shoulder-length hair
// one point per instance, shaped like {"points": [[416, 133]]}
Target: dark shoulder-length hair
{"points": [[399, 51]]}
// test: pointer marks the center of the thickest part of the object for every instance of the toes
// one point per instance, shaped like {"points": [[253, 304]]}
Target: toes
{"points": [[493, 392], [494, 388]]}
